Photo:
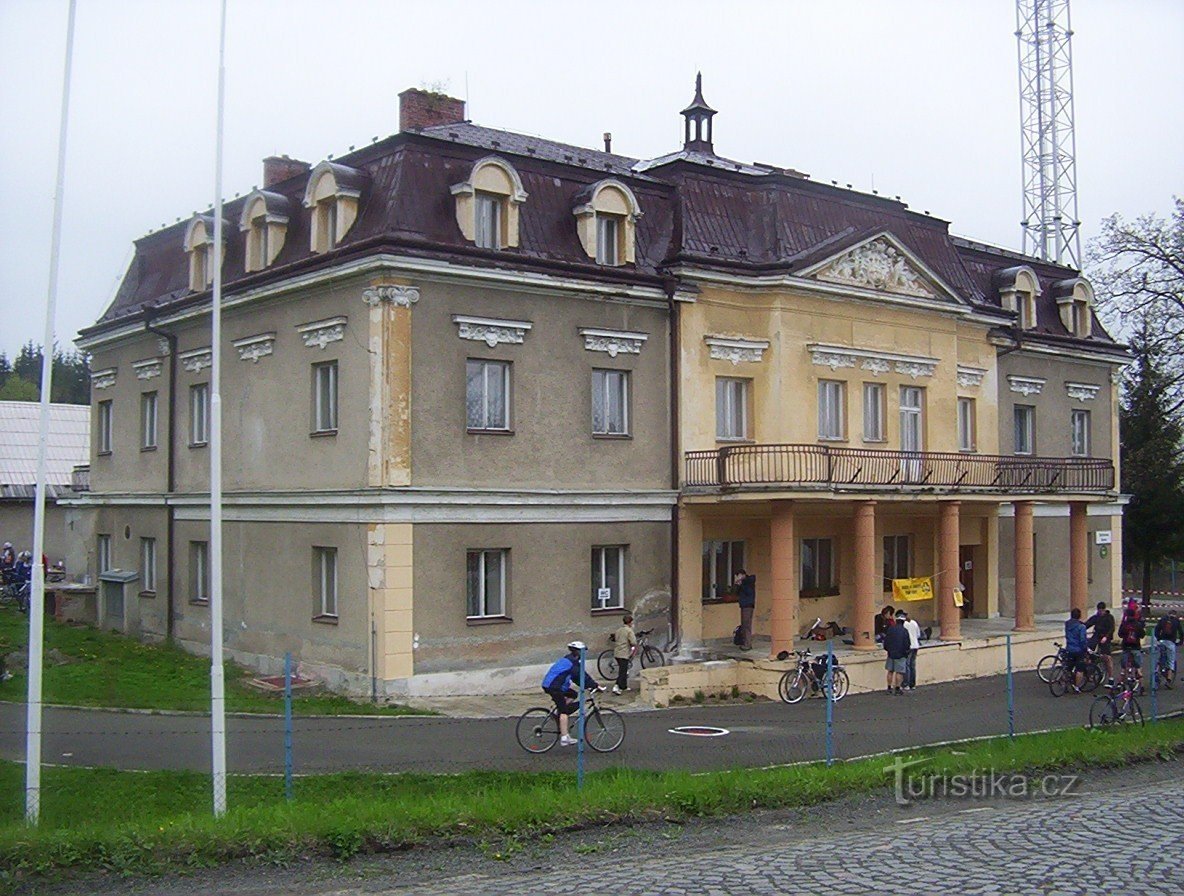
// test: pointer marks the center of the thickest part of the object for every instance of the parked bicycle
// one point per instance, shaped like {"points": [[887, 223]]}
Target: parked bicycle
{"points": [[15, 590], [604, 728], [1062, 678], [1119, 707], [647, 654], [809, 676]]}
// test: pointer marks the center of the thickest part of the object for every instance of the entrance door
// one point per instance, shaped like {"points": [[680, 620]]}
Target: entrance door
{"points": [[910, 433], [966, 575]]}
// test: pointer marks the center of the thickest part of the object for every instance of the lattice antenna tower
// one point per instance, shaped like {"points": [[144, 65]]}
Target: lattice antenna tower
{"points": [[1050, 224]]}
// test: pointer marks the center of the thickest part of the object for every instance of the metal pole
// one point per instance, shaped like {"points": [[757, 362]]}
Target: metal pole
{"points": [[288, 725], [1153, 669], [830, 702], [37, 592], [1010, 693], [580, 725], [217, 681]]}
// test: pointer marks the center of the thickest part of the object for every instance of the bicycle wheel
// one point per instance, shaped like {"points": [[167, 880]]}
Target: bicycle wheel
{"points": [[1059, 680], [538, 730], [1133, 713], [1094, 676], [604, 729], [1102, 712], [606, 665], [792, 686], [652, 658], [842, 684], [1045, 666]]}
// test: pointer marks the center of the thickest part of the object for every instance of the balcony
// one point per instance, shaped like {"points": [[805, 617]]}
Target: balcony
{"points": [[823, 468]]}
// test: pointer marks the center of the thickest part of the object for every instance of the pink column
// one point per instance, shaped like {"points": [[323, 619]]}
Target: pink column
{"points": [[866, 577], [1078, 557], [949, 616], [1024, 568], [783, 625]]}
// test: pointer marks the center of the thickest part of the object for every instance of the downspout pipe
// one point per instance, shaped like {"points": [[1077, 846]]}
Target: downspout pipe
{"points": [[171, 484], [675, 373]]}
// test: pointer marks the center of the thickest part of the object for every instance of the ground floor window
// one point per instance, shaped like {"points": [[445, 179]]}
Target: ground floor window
{"points": [[819, 578], [896, 559], [487, 583], [199, 572], [324, 572], [608, 577], [721, 561], [104, 553], [148, 563]]}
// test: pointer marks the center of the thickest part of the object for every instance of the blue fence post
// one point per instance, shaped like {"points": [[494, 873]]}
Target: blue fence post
{"points": [[288, 725], [580, 725], [829, 679], [1153, 670], [1010, 694]]}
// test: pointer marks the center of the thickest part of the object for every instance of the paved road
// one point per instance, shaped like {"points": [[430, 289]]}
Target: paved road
{"points": [[763, 733]]}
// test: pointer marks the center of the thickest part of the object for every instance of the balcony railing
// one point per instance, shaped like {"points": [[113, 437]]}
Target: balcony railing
{"points": [[821, 466]]}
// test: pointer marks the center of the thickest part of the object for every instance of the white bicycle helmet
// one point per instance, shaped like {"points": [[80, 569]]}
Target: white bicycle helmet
{"points": [[577, 646]]}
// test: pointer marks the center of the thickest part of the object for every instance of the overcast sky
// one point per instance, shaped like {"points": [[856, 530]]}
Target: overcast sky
{"points": [[912, 97]]}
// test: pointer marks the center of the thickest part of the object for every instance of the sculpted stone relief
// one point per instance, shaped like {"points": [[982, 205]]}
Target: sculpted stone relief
{"points": [[877, 265]]}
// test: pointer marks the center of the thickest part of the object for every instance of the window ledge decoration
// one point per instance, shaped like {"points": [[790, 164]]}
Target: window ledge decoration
{"points": [[613, 342], [252, 348], [970, 377], [876, 363], [197, 360], [491, 331], [1026, 385], [148, 368], [727, 348], [103, 379], [399, 296], [1082, 391], [320, 333]]}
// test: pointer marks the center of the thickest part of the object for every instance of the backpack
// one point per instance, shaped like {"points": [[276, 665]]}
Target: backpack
{"points": [[738, 636]]}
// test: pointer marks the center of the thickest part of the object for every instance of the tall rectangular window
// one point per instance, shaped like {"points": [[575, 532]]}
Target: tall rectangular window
{"points": [[487, 395], [199, 414], [610, 402], [324, 576], [1081, 441], [199, 572], [896, 559], [105, 425], [731, 409], [1025, 429], [324, 397], [818, 566], [148, 405], [832, 417], [608, 236], [489, 220], [873, 412], [103, 549], [608, 577], [967, 440], [148, 564], [487, 583], [721, 561]]}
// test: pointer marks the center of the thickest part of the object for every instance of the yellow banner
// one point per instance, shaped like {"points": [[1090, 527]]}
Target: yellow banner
{"points": [[912, 589]]}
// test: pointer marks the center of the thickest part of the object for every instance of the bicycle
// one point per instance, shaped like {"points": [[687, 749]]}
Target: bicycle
{"points": [[797, 682], [1061, 679], [647, 654], [538, 728], [15, 590], [1117, 708]]}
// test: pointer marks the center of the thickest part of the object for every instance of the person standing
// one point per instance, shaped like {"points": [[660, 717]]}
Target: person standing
{"points": [[914, 629], [746, 597], [896, 643], [1102, 639], [624, 646], [1076, 644]]}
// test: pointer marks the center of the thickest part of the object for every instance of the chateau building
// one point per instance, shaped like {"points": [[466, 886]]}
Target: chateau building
{"points": [[481, 389]]}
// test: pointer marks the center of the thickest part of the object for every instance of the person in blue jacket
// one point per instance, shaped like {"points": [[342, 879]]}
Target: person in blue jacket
{"points": [[561, 681], [1076, 642]]}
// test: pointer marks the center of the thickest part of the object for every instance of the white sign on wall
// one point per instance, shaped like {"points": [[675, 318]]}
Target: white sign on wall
{"points": [[1103, 536], [604, 596]]}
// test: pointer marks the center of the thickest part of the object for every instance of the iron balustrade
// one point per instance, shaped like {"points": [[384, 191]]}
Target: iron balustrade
{"points": [[735, 466]]}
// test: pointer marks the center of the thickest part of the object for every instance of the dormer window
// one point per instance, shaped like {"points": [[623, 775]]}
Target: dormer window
{"points": [[1027, 310], [332, 195], [1075, 299], [606, 223], [199, 246], [487, 204], [608, 238], [265, 223], [1018, 290]]}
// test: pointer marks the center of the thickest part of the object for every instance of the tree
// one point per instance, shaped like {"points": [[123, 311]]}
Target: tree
{"points": [[21, 381]]}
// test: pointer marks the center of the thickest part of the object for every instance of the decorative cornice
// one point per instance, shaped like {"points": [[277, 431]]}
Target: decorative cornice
{"points": [[614, 342], [1026, 385], [320, 333], [491, 331], [103, 379], [162, 346], [401, 296], [970, 377], [148, 368], [197, 360], [736, 349], [1082, 391], [252, 348], [877, 265], [876, 363]]}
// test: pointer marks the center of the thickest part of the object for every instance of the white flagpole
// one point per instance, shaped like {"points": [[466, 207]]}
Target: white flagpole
{"points": [[217, 681], [37, 595]]}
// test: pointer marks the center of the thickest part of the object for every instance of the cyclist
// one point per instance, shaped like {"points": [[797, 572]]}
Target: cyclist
{"points": [[1168, 633], [1102, 639], [1130, 635], [560, 682], [1075, 644]]}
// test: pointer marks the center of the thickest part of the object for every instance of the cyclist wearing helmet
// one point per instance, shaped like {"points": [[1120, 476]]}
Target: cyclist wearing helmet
{"points": [[560, 682]]}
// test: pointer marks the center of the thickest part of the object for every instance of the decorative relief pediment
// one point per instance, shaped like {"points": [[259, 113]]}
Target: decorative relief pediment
{"points": [[878, 265], [252, 348], [1082, 391], [613, 342], [727, 348], [399, 296], [148, 368], [320, 333], [876, 363], [1026, 385], [103, 379], [491, 331], [970, 377], [197, 360]]}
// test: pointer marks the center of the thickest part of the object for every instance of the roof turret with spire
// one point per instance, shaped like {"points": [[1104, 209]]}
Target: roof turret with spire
{"points": [[698, 121]]}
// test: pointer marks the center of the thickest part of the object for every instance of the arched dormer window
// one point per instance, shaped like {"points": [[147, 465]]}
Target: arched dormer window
{"points": [[265, 222], [1075, 302], [332, 194], [1019, 288], [199, 246], [607, 222], [487, 204]]}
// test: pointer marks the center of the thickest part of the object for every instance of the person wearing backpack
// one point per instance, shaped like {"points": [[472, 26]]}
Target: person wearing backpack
{"points": [[1130, 637], [1168, 633], [746, 598]]}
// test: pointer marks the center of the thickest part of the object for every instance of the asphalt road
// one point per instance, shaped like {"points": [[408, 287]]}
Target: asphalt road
{"points": [[763, 733]]}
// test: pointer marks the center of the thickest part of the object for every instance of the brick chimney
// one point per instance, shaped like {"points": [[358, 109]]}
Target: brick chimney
{"points": [[278, 168], [420, 109]]}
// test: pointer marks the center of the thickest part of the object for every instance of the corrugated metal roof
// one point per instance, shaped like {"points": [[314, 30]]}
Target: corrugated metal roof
{"points": [[69, 443]]}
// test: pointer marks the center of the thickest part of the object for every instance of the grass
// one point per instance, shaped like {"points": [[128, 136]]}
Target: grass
{"points": [[107, 669], [148, 823]]}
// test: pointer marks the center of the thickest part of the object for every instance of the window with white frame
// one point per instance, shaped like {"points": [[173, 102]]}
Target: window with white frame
{"points": [[731, 408], [487, 395], [722, 560], [199, 572], [608, 238], [967, 440], [489, 212], [1080, 427], [148, 564], [610, 402], [897, 554], [199, 414], [832, 416], [325, 225], [1027, 310], [103, 550], [818, 567], [148, 407], [873, 412], [324, 397], [608, 577], [324, 576], [486, 585], [105, 426], [1025, 429]]}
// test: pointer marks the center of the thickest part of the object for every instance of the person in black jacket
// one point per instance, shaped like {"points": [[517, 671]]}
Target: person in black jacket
{"points": [[1168, 633], [746, 598], [896, 643], [1102, 639]]}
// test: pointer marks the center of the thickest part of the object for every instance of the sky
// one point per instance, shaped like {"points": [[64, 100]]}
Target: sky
{"points": [[916, 98]]}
